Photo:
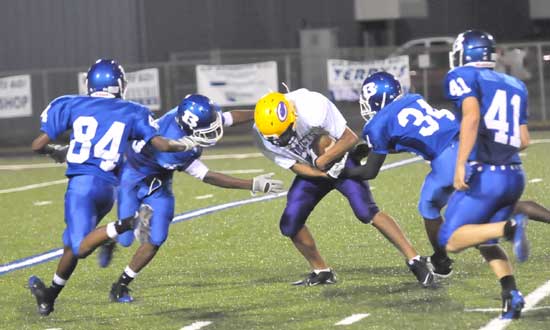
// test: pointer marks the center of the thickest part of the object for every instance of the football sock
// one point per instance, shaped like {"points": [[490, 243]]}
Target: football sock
{"points": [[440, 254], [121, 226], [127, 276], [57, 285], [410, 262], [317, 271], [508, 283], [509, 229]]}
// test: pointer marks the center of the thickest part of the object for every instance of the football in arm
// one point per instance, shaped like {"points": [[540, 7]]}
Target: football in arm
{"points": [[322, 143]]}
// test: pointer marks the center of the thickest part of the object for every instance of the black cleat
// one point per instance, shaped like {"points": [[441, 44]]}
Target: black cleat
{"points": [[326, 277], [105, 254], [442, 267], [422, 271], [120, 293], [40, 292]]}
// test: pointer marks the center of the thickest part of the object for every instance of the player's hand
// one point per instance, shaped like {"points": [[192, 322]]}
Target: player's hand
{"points": [[460, 178], [335, 170], [265, 184], [359, 152], [189, 142], [58, 152]]}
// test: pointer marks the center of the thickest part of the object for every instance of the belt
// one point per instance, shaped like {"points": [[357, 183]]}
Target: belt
{"points": [[488, 167]]}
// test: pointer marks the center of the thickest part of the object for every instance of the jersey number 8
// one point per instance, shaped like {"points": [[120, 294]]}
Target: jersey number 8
{"points": [[84, 130]]}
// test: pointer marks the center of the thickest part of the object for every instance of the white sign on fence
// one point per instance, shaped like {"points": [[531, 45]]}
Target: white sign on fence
{"points": [[345, 77], [143, 87], [15, 96], [242, 84]]}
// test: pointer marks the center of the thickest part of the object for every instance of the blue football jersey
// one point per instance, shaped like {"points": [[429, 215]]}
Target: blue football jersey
{"points": [[101, 130], [410, 124], [149, 161], [503, 108]]}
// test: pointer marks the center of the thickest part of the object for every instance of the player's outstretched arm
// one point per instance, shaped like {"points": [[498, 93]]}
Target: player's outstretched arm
{"points": [[261, 183], [239, 117], [368, 171], [468, 135], [43, 146], [342, 145], [167, 145]]}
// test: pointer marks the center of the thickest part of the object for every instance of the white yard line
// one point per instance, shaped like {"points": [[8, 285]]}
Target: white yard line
{"points": [[41, 203], [492, 310], [19, 167], [249, 171], [531, 301], [204, 196], [196, 325], [33, 186], [352, 319], [535, 180]]}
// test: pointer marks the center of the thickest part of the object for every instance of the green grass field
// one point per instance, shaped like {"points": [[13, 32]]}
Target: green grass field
{"points": [[233, 267]]}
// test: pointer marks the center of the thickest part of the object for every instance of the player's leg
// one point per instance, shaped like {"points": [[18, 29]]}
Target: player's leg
{"points": [[365, 209], [303, 195], [468, 212], [127, 206], [434, 195], [162, 204], [533, 211], [87, 200], [512, 299]]}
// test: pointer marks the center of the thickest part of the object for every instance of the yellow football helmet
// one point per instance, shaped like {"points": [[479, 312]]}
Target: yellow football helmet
{"points": [[275, 118]]}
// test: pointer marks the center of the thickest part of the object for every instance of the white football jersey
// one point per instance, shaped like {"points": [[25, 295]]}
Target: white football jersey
{"points": [[316, 115]]}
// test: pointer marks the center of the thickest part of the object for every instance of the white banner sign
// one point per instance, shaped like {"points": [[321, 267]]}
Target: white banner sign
{"points": [[15, 96], [346, 77], [242, 84], [143, 87]]}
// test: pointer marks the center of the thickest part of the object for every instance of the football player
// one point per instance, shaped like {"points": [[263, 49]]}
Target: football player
{"points": [[146, 178], [286, 126], [397, 122], [102, 123], [488, 175]]}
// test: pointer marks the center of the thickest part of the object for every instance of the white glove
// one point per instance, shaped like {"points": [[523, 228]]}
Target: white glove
{"points": [[263, 183], [189, 142], [337, 168]]}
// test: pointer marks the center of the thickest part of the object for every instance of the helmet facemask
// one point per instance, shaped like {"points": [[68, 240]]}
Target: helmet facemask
{"points": [[288, 136], [209, 136]]}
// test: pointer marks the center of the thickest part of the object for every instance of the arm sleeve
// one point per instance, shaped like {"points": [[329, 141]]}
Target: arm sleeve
{"points": [[55, 119], [376, 138], [368, 171], [197, 169], [227, 119], [145, 127]]}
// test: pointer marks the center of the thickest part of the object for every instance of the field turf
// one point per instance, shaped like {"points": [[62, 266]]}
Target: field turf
{"points": [[233, 268]]}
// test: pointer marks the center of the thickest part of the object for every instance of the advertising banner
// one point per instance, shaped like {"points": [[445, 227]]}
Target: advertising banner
{"points": [[15, 96], [345, 77]]}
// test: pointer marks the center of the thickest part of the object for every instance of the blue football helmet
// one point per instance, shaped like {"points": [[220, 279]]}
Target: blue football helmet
{"points": [[106, 78], [473, 48], [378, 90], [200, 118]]}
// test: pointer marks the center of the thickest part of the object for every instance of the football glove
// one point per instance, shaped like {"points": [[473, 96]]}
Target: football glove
{"points": [[359, 152], [265, 184], [58, 152], [335, 170]]}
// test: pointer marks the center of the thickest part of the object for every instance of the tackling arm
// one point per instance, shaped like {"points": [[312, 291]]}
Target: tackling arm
{"points": [[261, 183], [468, 136], [167, 145], [240, 116], [342, 145], [368, 171]]}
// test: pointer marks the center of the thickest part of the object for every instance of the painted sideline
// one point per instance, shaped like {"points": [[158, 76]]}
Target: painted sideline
{"points": [[56, 253]]}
